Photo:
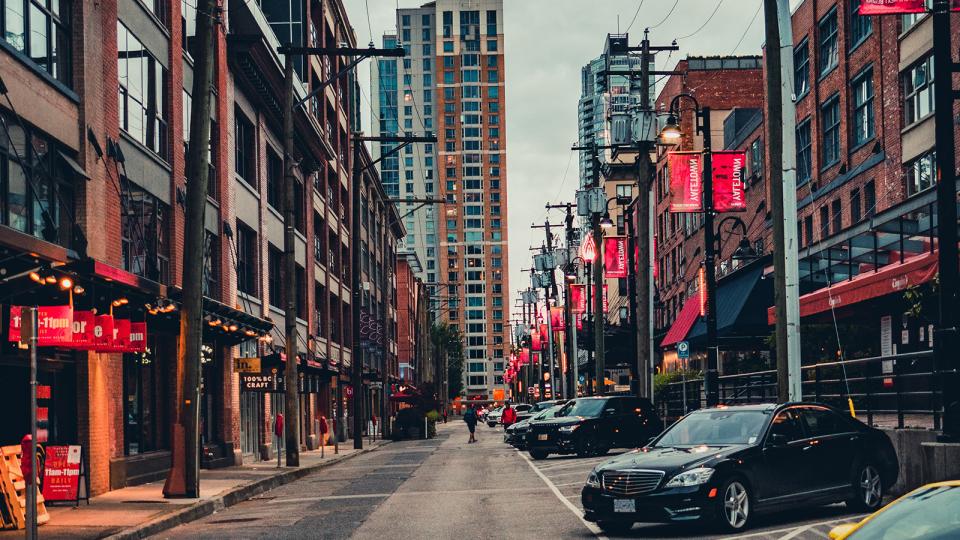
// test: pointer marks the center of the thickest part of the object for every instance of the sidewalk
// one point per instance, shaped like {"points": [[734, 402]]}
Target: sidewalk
{"points": [[139, 511]]}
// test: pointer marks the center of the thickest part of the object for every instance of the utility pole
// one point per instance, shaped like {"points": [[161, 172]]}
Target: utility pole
{"points": [[781, 136], [945, 341], [183, 480]]}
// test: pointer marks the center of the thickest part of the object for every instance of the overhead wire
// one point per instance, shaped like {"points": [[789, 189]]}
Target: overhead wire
{"points": [[705, 23], [669, 13], [747, 29], [634, 19]]}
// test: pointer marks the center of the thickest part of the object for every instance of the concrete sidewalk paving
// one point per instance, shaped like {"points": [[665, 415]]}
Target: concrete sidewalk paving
{"points": [[140, 511]]}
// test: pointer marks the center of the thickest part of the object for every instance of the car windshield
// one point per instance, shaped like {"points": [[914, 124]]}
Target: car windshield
{"points": [[549, 413], [583, 407], [715, 427], [929, 513]]}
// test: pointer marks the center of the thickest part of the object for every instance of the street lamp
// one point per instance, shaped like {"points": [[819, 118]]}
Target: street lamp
{"points": [[745, 250], [671, 134], [606, 222]]}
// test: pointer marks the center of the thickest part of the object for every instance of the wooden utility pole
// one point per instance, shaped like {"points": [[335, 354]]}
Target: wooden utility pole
{"points": [[183, 480], [640, 301], [781, 139], [291, 401]]}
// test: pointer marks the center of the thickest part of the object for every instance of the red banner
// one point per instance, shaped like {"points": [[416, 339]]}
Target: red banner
{"points": [[524, 356], [138, 337], [83, 323], [61, 480], [891, 7], [557, 320], [685, 175], [728, 193], [544, 332], [55, 325], [103, 332], [615, 256], [534, 341], [578, 298]]}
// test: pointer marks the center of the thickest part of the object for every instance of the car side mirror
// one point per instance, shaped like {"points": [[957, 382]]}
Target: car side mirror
{"points": [[776, 440]]}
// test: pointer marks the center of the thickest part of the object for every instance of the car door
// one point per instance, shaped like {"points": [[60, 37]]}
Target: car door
{"points": [[782, 470], [834, 444], [608, 425], [633, 424]]}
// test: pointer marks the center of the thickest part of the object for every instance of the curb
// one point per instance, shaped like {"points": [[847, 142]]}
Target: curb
{"points": [[228, 498]]}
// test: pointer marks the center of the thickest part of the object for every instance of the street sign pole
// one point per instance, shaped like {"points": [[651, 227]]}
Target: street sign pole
{"points": [[30, 330], [683, 354]]}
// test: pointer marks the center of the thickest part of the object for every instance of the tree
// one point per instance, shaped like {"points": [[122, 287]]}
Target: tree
{"points": [[448, 343]]}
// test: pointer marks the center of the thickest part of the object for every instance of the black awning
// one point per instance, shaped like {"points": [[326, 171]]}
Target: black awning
{"points": [[742, 301], [74, 166]]}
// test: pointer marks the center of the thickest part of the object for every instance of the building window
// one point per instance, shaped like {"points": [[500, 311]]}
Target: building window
{"points": [[808, 230], [920, 174], [824, 222], [144, 237], [837, 216], [246, 260], [275, 277], [870, 198], [756, 158], [863, 129], [804, 152], [918, 91], [40, 30], [911, 19], [143, 93], [245, 148], [827, 36], [860, 25], [491, 23], [830, 120], [36, 188], [211, 265], [801, 68], [188, 26], [856, 210], [275, 181]]}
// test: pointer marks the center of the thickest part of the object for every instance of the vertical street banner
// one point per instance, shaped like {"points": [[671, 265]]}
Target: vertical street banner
{"points": [[557, 320], [578, 298], [615, 256], [728, 193], [686, 190], [534, 341]]}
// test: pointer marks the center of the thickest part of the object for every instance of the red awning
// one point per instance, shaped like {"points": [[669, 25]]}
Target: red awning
{"points": [[889, 279], [688, 315]]}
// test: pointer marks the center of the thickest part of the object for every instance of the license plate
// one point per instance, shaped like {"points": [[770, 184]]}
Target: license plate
{"points": [[624, 505], [543, 437]]}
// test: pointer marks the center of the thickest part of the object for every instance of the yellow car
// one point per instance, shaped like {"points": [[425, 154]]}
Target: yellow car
{"points": [[931, 512]]}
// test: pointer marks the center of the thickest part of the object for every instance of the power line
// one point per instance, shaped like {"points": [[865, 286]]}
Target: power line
{"points": [[747, 29], [705, 23], [667, 17], [634, 19]]}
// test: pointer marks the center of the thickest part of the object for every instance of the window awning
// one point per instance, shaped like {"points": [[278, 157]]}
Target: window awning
{"points": [[688, 315], [889, 279], [740, 305], [74, 166]]}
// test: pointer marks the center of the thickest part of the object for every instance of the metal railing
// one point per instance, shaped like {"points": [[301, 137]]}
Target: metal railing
{"points": [[893, 391]]}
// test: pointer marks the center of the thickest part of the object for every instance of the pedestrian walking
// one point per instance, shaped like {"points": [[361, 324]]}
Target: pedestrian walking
{"points": [[470, 417], [509, 416]]}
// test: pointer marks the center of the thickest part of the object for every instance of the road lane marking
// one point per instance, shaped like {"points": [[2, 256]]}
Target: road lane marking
{"points": [[293, 500], [592, 527], [802, 528]]}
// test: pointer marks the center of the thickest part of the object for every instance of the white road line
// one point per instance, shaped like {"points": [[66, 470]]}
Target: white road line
{"points": [[791, 532], [573, 508], [293, 500]]}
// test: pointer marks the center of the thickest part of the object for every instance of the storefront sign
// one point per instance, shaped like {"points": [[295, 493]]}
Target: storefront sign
{"points": [[62, 472], [103, 332], [685, 187], [55, 324], [83, 322], [246, 365], [728, 193], [615, 257], [138, 337], [261, 382]]}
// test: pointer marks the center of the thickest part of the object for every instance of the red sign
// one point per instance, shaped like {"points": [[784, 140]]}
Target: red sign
{"points": [[83, 323], [55, 324], [103, 332], [535, 341], [615, 256], [138, 337], [728, 193], [891, 7], [702, 281], [62, 473], [578, 298], [686, 191], [557, 320], [588, 249], [348, 391]]}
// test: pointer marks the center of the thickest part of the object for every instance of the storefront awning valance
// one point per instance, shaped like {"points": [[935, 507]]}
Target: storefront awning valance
{"points": [[681, 326], [741, 301], [889, 279]]}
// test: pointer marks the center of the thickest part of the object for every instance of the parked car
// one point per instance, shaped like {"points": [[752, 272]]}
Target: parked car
{"points": [[728, 464], [493, 417], [592, 426], [516, 435], [929, 512], [538, 408]]}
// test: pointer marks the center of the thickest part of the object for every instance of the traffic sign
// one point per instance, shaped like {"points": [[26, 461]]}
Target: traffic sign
{"points": [[683, 349]]}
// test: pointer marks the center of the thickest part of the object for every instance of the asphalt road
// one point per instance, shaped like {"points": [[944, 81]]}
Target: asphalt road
{"points": [[446, 488]]}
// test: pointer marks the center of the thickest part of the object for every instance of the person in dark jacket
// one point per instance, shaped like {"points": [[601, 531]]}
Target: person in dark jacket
{"points": [[470, 417]]}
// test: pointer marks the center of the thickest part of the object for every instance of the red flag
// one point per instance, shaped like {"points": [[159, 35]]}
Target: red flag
{"points": [[728, 194], [685, 176], [557, 320], [890, 7], [615, 256]]}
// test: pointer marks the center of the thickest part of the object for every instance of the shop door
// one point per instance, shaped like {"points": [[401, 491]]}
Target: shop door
{"points": [[251, 412], [276, 406]]}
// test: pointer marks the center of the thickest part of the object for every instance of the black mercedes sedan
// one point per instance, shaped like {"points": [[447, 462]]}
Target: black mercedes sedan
{"points": [[728, 464]]}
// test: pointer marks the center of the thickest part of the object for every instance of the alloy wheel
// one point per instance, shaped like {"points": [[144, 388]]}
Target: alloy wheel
{"points": [[736, 505], [870, 486]]}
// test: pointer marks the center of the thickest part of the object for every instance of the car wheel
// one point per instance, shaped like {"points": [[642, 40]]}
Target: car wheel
{"points": [[538, 454], [867, 489], [587, 446], [735, 507], [615, 527]]}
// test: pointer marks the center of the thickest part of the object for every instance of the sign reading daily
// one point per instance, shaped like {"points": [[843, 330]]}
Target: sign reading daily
{"points": [[728, 193], [62, 471], [685, 177], [61, 326]]}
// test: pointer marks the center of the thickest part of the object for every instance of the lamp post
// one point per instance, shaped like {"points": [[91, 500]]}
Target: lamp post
{"points": [[571, 277], [671, 133]]}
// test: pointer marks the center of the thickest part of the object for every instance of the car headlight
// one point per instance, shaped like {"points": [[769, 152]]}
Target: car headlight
{"points": [[693, 477], [569, 429], [593, 480]]}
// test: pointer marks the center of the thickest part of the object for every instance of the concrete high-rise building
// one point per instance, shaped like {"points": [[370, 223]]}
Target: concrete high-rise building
{"points": [[452, 83]]}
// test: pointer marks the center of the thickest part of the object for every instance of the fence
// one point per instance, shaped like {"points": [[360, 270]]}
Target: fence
{"points": [[891, 391]]}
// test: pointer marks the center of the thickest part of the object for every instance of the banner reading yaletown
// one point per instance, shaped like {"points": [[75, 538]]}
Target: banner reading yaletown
{"points": [[558, 322], [578, 298], [615, 256], [728, 193], [895, 7], [685, 189]]}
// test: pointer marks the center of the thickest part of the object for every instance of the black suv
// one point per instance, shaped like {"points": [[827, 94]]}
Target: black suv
{"points": [[592, 426]]}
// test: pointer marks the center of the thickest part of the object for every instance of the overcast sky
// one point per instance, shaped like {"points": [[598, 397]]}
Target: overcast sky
{"points": [[547, 42]]}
